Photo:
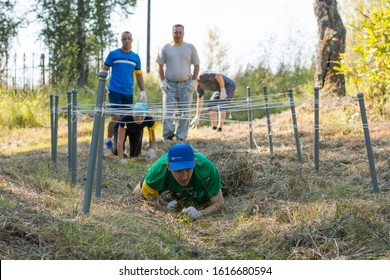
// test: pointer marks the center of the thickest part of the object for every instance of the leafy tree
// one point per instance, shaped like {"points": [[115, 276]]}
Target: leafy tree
{"points": [[9, 24], [352, 18], [59, 36], [370, 73], [75, 31], [353, 21], [216, 52]]}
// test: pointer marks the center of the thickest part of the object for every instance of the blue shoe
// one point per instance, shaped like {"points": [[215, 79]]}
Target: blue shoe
{"points": [[108, 144]]}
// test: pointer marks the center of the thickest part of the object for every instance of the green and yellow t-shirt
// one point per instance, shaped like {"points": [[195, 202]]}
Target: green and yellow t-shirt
{"points": [[204, 184]]}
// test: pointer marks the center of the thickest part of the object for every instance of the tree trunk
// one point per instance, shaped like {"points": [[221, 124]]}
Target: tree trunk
{"points": [[331, 43]]}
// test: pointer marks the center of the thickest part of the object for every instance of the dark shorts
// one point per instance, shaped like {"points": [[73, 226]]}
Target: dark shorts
{"points": [[118, 100], [216, 104]]}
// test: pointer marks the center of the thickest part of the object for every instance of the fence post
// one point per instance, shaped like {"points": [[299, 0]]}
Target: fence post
{"points": [[94, 141], [42, 65], [294, 117], [24, 72], [32, 73], [367, 139], [74, 137], [316, 129], [100, 152], [14, 83], [271, 149], [55, 133], [52, 126], [250, 117], [69, 100]]}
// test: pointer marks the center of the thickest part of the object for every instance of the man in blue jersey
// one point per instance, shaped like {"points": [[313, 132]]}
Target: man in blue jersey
{"points": [[125, 65]]}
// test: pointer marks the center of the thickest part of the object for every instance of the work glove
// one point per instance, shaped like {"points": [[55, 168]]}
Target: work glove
{"points": [[195, 120], [215, 96], [192, 86], [122, 161], [172, 205], [142, 97], [164, 86], [192, 212], [151, 154], [223, 94]]}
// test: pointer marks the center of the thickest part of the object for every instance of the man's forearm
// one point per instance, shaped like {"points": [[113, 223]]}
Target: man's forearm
{"points": [[196, 72], [199, 105], [161, 72], [217, 202], [213, 207], [140, 81]]}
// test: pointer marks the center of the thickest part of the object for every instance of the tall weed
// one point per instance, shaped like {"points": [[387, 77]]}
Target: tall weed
{"points": [[21, 113]]}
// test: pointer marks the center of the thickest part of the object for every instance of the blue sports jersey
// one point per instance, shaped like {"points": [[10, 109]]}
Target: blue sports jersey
{"points": [[122, 66]]}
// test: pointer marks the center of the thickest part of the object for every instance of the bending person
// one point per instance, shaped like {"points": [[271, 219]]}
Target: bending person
{"points": [[224, 89], [133, 127]]}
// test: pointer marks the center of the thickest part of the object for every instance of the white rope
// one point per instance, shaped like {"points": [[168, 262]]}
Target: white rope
{"points": [[237, 105]]}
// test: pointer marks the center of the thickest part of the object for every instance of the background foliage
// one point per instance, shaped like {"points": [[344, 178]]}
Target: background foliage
{"points": [[75, 31], [367, 63], [276, 208], [9, 23]]}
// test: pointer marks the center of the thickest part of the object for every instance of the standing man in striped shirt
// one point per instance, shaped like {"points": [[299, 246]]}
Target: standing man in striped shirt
{"points": [[125, 65]]}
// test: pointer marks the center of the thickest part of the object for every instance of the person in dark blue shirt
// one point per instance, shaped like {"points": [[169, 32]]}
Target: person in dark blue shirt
{"points": [[224, 89], [132, 126]]}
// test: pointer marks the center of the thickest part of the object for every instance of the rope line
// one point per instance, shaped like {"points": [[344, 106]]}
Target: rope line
{"points": [[237, 105]]}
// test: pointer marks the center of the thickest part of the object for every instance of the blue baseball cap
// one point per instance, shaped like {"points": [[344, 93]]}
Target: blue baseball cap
{"points": [[140, 109], [181, 156]]}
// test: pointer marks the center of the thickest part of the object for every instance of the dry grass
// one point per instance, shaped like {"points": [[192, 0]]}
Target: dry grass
{"points": [[276, 207]]}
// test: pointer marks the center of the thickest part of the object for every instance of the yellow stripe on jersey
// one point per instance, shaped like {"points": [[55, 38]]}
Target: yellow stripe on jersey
{"points": [[148, 192], [138, 72]]}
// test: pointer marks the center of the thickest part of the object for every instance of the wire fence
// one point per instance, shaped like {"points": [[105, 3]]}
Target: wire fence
{"points": [[24, 71], [102, 109], [28, 71]]}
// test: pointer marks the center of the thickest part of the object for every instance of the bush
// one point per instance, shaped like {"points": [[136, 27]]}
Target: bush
{"points": [[23, 112], [370, 72]]}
